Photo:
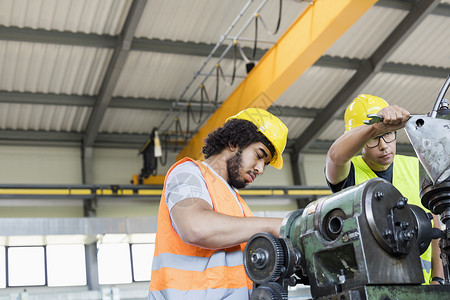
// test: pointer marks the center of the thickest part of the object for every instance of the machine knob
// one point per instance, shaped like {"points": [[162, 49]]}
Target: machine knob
{"points": [[401, 202], [259, 258], [407, 235]]}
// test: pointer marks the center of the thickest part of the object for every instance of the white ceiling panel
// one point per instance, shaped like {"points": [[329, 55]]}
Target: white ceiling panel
{"points": [[296, 126], [335, 129], [87, 16], [364, 36], [51, 68], [308, 90], [171, 76], [415, 93], [207, 21], [43, 117], [428, 45], [135, 121]]}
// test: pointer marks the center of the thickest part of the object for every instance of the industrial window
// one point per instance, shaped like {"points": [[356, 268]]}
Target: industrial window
{"points": [[66, 265], [114, 263], [2, 267], [142, 255], [26, 266]]}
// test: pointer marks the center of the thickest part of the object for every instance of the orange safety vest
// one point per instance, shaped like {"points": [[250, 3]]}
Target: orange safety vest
{"points": [[183, 271], [405, 178]]}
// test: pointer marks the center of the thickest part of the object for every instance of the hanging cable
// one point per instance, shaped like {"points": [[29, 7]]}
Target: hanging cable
{"points": [[217, 84], [204, 93], [219, 71], [234, 61], [205, 111], [278, 22], [166, 149], [233, 75], [244, 57], [255, 43], [190, 110], [248, 63], [210, 56], [178, 131]]}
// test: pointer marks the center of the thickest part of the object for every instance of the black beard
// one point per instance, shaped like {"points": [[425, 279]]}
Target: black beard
{"points": [[234, 164]]}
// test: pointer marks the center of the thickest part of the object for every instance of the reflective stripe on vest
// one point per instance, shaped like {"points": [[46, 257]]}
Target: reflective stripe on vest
{"points": [[238, 294], [195, 263], [405, 169], [183, 271]]}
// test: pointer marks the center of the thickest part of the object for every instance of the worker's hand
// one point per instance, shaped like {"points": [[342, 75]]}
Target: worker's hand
{"points": [[394, 118]]}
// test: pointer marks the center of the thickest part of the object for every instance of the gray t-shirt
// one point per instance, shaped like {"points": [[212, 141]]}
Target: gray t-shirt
{"points": [[186, 181]]}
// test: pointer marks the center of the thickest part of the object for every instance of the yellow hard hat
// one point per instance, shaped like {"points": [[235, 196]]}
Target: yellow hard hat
{"points": [[272, 128], [360, 107]]}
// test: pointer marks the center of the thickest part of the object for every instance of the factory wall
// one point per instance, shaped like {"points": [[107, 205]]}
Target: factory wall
{"points": [[51, 165], [39, 165]]}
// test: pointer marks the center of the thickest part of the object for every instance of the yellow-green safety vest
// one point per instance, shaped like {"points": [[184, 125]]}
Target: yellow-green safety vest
{"points": [[405, 178]]}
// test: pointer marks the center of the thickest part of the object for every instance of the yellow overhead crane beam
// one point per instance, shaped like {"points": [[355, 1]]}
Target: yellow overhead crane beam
{"points": [[315, 30], [137, 191]]}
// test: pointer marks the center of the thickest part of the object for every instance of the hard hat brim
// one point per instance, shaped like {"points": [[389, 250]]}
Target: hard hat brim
{"points": [[277, 162]]}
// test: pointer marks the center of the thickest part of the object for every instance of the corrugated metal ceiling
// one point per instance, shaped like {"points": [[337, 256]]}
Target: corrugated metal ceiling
{"points": [[55, 57]]}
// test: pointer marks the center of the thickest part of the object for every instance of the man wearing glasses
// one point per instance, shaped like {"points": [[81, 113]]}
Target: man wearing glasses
{"points": [[377, 145]]}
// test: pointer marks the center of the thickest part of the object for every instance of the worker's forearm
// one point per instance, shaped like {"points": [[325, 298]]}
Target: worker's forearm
{"points": [[437, 269], [343, 149], [214, 230], [239, 230], [199, 225], [350, 143]]}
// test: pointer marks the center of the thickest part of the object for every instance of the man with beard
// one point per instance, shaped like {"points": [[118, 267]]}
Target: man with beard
{"points": [[377, 144], [203, 223]]}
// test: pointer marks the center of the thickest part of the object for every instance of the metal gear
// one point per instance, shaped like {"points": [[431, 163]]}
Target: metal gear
{"points": [[263, 258], [269, 291]]}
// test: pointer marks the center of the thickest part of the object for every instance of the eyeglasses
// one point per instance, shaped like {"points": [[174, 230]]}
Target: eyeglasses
{"points": [[388, 137]]}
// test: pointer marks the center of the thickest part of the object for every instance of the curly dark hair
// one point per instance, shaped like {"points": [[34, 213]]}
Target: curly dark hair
{"points": [[235, 132]]}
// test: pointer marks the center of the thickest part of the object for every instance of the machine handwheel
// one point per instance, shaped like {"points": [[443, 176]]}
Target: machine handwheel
{"points": [[263, 258], [269, 291]]}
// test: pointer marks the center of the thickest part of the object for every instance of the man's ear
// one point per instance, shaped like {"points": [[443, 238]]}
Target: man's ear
{"points": [[232, 147]]}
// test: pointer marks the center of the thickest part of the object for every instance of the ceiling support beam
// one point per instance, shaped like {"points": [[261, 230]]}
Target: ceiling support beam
{"points": [[167, 104], [126, 141], [317, 28], [113, 72], [134, 103], [365, 72], [115, 67], [106, 41]]}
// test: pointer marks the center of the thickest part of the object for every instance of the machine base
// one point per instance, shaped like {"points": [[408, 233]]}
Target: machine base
{"points": [[393, 292]]}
